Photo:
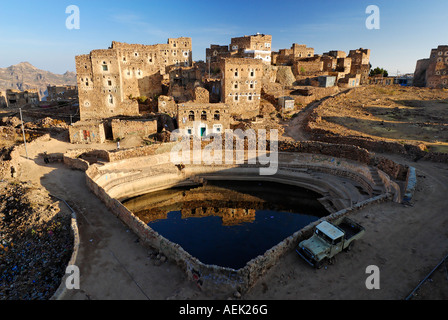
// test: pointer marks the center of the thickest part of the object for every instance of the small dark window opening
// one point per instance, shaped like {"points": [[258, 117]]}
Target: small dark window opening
{"points": [[191, 116], [204, 116], [217, 116]]}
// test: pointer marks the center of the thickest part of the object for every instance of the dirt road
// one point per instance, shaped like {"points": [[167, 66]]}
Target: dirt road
{"points": [[294, 129]]}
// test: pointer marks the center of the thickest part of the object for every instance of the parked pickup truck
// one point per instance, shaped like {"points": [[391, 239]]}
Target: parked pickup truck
{"points": [[328, 240]]}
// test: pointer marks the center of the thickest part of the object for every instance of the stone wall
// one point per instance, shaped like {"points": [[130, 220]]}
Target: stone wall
{"points": [[166, 104], [308, 66], [420, 72], [87, 132], [346, 151], [133, 128], [117, 155], [201, 95]]}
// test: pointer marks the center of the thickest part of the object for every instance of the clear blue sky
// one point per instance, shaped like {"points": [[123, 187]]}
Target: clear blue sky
{"points": [[35, 31]]}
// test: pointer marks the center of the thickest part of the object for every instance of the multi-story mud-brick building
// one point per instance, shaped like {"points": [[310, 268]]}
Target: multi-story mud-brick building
{"points": [[288, 56], [108, 79], [435, 69], [256, 46], [201, 119], [2, 100], [17, 98], [213, 55], [308, 66], [360, 63], [63, 92], [241, 85]]}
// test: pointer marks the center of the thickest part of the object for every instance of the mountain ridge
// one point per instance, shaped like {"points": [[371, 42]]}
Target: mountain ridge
{"points": [[25, 76]]}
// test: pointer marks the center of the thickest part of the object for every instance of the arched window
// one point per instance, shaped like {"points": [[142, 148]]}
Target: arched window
{"points": [[204, 116], [217, 115], [191, 116]]}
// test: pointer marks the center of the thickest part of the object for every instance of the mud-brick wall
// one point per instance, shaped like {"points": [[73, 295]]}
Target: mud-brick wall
{"points": [[127, 128], [140, 152], [87, 132], [352, 152]]}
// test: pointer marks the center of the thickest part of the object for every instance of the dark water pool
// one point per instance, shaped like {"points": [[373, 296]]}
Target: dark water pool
{"points": [[228, 223]]}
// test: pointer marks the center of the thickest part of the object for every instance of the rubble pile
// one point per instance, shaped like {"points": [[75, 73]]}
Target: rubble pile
{"points": [[47, 123], [36, 243]]}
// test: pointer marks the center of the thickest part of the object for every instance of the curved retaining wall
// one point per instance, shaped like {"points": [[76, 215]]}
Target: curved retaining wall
{"points": [[62, 289], [116, 180], [211, 277]]}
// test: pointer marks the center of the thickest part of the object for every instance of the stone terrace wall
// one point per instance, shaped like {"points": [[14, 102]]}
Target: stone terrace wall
{"points": [[413, 151], [140, 152], [352, 152], [74, 158]]}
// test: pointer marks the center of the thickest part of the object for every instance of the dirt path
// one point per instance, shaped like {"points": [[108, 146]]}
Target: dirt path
{"points": [[295, 128]]}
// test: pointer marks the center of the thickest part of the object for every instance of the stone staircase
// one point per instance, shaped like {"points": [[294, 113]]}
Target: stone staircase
{"points": [[378, 185]]}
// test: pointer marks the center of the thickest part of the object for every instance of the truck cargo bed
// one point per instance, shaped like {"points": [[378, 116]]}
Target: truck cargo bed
{"points": [[350, 228]]}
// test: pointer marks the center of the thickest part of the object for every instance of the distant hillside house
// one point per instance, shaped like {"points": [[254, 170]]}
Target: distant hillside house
{"points": [[2, 100], [18, 99], [58, 93]]}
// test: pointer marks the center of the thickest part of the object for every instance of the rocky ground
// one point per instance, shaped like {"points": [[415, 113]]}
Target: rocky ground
{"points": [[401, 114], [35, 242]]}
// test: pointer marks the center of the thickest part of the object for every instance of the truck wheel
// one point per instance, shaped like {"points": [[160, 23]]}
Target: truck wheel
{"points": [[350, 246], [320, 264]]}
